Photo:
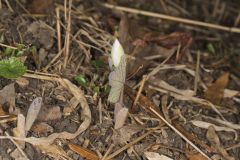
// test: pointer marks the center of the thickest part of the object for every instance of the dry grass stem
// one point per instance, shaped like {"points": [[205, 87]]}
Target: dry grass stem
{"points": [[179, 133], [196, 80], [67, 38], [172, 18], [18, 147]]}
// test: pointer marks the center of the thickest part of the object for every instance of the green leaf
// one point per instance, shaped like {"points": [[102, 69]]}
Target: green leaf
{"points": [[211, 48], [80, 79], [11, 68], [97, 63], [8, 51]]}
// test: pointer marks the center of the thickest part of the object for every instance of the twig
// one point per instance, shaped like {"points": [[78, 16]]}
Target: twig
{"points": [[67, 39], [139, 93], [179, 133], [108, 151], [58, 29], [197, 73], [100, 111], [18, 147], [9, 6], [25, 10], [53, 60], [129, 145], [7, 46], [172, 18]]}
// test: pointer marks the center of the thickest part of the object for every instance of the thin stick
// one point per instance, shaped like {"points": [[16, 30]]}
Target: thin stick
{"points": [[58, 29], [67, 39], [0, 4], [65, 10], [100, 111], [7, 46], [139, 92], [172, 18], [129, 145], [108, 151], [197, 73], [53, 60], [9, 6], [18, 147], [179, 133]]}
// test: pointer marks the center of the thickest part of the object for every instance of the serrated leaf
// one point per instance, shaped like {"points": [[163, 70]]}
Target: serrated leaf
{"points": [[11, 68]]}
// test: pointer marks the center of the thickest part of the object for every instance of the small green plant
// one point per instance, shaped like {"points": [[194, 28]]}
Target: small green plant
{"points": [[97, 64], [20, 51], [80, 79], [11, 68], [211, 48]]}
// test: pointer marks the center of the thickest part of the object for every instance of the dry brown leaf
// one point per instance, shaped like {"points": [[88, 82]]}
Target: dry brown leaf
{"points": [[41, 6], [156, 156], [22, 82], [84, 152], [3, 113], [195, 156], [49, 114], [215, 92], [33, 112], [20, 130], [85, 116], [120, 115], [17, 155], [55, 151], [7, 95], [42, 128], [206, 125], [124, 134], [215, 142]]}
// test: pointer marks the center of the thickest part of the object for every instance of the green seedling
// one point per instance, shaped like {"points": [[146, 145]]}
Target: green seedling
{"points": [[80, 79], [97, 64], [11, 68], [211, 48]]}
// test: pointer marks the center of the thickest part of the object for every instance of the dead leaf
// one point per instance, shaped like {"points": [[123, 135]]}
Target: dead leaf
{"points": [[41, 34], [120, 115], [50, 114], [215, 92], [16, 154], [215, 142], [55, 151], [22, 82], [195, 156], [7, 95], [85, 116], [42, 128], [156, 156], [206, 125], [20, 130], [3, 113], [33, 112], [84, 152], [40, 6], [124, 134]]}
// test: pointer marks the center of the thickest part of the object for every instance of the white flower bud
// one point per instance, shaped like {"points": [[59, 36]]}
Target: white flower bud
{"points": [[116, 53]]}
